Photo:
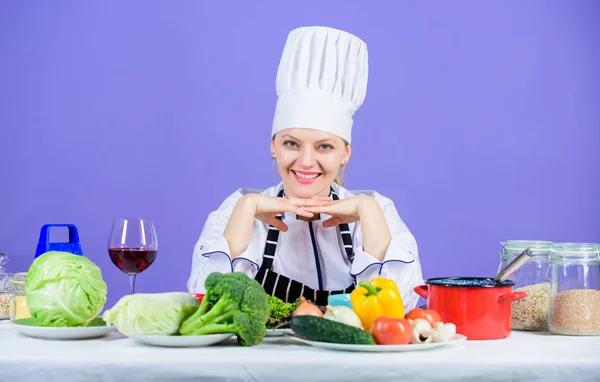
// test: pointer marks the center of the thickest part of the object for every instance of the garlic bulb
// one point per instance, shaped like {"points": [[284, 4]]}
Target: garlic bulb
{"points": [[344, 315]]}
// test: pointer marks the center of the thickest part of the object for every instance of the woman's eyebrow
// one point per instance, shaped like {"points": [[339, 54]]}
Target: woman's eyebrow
{"points": [[328, 140]]}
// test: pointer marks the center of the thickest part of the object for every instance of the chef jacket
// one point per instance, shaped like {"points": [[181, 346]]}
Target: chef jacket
{"points": [[308, 252]]}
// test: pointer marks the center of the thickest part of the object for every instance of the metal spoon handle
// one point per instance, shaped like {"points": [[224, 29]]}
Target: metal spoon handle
{"points": [[513, 266]]}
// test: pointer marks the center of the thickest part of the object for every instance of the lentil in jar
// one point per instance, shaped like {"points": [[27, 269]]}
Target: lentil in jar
{"points": [[576, 312], [5, 302], [531, 312]]}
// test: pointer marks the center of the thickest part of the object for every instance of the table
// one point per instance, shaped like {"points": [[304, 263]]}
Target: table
{"points": [[521, 357]]}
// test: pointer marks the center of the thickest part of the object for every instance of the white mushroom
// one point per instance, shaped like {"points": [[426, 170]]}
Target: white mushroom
{"points": [[422, 332], [443, 332]]}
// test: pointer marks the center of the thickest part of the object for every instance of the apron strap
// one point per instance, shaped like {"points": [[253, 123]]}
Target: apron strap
{"points": [[271, 244], [288, 289], [345, 232]]}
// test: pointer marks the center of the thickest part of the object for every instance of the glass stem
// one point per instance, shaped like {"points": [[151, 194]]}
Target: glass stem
{"points": [[132, 283]]}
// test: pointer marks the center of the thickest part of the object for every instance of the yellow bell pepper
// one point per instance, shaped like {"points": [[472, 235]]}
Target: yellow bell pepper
{"points": [[379, 297]]}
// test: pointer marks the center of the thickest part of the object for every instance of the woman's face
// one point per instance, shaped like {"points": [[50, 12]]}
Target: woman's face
{"points": [[308, 160]]}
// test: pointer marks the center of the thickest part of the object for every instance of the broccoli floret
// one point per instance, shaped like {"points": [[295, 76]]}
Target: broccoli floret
{"points": [[223, 296], [237, 304], [212, 280], [255, 306], [250, 328], [239, 276], [256, 300], [209, 300]]}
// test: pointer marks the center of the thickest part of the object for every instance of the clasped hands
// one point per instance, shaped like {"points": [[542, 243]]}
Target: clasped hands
{"points": [[341, 211]]}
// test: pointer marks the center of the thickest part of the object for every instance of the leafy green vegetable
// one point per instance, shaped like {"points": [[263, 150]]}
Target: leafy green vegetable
{"points": [[233, 303], [280, 311], [64, 290], [151, 313]]}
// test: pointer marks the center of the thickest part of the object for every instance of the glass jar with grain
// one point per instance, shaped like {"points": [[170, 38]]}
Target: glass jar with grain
{"points": [[575, 289], [6, 292], [529, 313], [19, 307]]}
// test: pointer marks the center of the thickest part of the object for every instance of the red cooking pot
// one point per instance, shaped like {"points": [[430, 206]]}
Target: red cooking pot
{"points": [[481, 308]]}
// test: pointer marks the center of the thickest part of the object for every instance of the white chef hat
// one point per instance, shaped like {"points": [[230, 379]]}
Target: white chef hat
{"points": [[321, 81]]}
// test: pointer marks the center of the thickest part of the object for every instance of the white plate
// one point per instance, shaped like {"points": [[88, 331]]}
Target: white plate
{"points": [[381, 348], [29, 327], [182, 341], [278, 332]]}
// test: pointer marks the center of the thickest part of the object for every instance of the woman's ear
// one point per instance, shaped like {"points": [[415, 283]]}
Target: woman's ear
{"points": [[272, 146], [347, 154]]}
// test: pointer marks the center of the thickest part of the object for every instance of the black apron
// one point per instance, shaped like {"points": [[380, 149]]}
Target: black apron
{"points": [[290, 290]]}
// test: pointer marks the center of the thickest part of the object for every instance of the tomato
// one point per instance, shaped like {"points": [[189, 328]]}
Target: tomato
{"points": [[428, 314], [391, 331]]}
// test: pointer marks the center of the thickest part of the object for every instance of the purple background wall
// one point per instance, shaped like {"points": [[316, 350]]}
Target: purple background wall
{"points": [[482, 120]]}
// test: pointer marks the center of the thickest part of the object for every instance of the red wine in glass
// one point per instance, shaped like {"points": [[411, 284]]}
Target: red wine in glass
{"points": [[132, 260], [132, 246]]}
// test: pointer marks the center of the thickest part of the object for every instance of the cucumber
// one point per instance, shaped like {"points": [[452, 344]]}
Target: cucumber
{"points": [[322, 329]]}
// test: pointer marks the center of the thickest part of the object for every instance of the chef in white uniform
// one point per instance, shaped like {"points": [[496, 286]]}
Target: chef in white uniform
{"points": [[308, 235]]}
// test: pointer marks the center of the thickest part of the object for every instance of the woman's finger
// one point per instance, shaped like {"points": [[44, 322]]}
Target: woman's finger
{"points": [[312, 197], [321, 198], [335, 221], [301, 212], [319, 209], [315, 199], [277, 224], [307, 202]]}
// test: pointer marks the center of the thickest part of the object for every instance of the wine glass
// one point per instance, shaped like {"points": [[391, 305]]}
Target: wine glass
{"points": [[132, 246]]}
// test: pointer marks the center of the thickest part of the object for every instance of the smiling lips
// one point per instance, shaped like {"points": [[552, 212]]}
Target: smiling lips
{"points": [[306, 177]]}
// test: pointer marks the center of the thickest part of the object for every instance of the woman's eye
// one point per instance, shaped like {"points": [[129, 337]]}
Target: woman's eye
{"points": [[290, 143], [326, 147]]}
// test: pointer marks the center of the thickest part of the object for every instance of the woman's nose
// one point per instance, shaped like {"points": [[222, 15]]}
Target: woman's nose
{"points": [[307, 158]]}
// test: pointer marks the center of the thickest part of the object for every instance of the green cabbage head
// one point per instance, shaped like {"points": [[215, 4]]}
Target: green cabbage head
{"points": [[65, 290], [151, 313]]}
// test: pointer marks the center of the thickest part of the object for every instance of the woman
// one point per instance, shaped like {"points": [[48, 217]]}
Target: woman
{"points": [[309, 236]]}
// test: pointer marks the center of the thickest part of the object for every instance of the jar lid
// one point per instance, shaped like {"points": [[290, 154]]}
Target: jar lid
{"points": [[575, 251], [3, 259], [536, 246], [5, 275]]}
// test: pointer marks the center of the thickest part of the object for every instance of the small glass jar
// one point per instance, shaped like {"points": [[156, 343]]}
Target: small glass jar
{"points": [[18, 308], [575, 289], [6, 292], [529, 313]]}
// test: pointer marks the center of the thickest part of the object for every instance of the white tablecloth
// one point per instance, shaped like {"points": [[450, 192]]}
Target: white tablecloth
{"points": [[521, 357]]}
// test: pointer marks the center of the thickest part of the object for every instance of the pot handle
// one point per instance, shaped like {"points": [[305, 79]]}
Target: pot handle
{"points": [[510, 297], [422, 290]]}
